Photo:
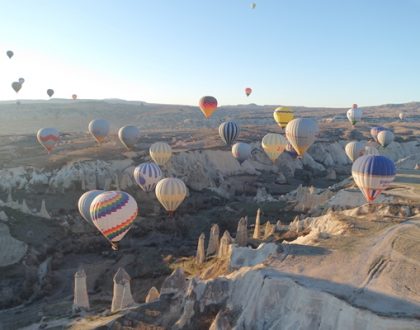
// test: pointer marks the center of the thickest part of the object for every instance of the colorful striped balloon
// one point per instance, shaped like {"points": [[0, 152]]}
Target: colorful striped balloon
{"points": [[229, 132], [375, 130], [48, 138], [113, 213], [208, 105], [273, 145], [373, 174], [171, 192], [147, 175], [99, 128], [160, 152], [84, 203]]}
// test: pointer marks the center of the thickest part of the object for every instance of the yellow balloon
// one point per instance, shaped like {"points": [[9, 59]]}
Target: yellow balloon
{"points": [[282, 116]]}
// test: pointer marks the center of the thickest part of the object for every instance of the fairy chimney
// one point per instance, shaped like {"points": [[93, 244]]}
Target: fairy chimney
{"points": [[225, 242], [257, 230], [242, 232], [213, 246], [81, 298], [122, 297], [201, 254]]}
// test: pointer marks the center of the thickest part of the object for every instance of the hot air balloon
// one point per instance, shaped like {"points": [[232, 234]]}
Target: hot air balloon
{"points": [[208, 105], [113, 213], [171, 192], [273, 145], [375, 130], [48, 138], [370, 150], [248, 91], [228, 131], [147, 175], [99, 129], [16, 86], [21, 81], [301, 133], [385, 138], [74, 96], [373, 174], [291, 151], [354, 149], [160, 152], [129, 136], [84, 204], [354, 114], [9, 54], [282, 116], [241, 151], [50, 92], [253, 5], [401, 115]]}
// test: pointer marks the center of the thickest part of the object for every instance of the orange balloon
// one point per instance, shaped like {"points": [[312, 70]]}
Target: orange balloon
{"points": [[248, 91], [208, 105]]}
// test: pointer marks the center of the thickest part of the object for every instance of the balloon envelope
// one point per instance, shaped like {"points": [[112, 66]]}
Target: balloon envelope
{"points": [[16, 86], [50, 92], [9, 54], [113, 213], [160, 152], [385, 138], [253, 5], [354, 114], [129, 136], [354, 150], [273, 145], [248, 91], [241, 151], [282, 116], [229, 132], [171, 192], [147, 175], [84, 204], [99, 129], [401, 115], [74, 96], [375, 130], [48, 138], [301, 133], [373, 174], [21, 81], [208, 105]]}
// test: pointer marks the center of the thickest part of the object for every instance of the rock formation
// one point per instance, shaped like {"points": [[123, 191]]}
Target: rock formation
{"points": [[241, 238], [152, 295], [200, 257], [43, 211], [81, 298], [268, 229], [257, 230], [213, 246], [174, 283], [225, 242], [122, 297]]}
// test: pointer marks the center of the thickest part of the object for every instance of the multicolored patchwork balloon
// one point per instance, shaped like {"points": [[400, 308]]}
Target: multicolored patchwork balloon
{"points": [[208, 104], [373, 174], [48, 138], [113, 213], [147, 175]]}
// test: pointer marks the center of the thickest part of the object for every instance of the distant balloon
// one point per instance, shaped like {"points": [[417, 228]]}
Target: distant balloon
{"points": [[282, 116], [273, 145], [373, 174], [9, 54], [74, 96], [355, 149], [129, 136], [50, 92], [301, 133], [113, 213], [385, 138], [84, 204], [171, 192], [253, 5], [48, 138], [160, 152], [291, 151], [375, 130], [248, 91], [147, 175], [99, 129], [21, 81], [241, 151], [401, 115], [16, 86], [229, 132], [370, 150], [208, 105], [354, 114]]}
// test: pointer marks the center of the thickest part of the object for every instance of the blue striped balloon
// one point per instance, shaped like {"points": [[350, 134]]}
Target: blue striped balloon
{"points": [[373, 174], [228, 131], [147, 175]]}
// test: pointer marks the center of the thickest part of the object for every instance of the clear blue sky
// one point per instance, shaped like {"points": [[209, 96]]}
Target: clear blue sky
{"points": [[296, 52]]}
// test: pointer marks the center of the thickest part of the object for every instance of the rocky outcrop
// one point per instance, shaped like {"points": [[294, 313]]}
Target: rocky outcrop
{"points": [[214, 239]]}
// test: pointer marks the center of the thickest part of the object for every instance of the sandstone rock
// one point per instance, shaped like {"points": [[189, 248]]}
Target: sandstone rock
{"points": [[241, 238], [200, 257], [81, 298], [213, 246], [152, 295], [174, 283], [257, 230], [225, 243], [122, 297]]}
